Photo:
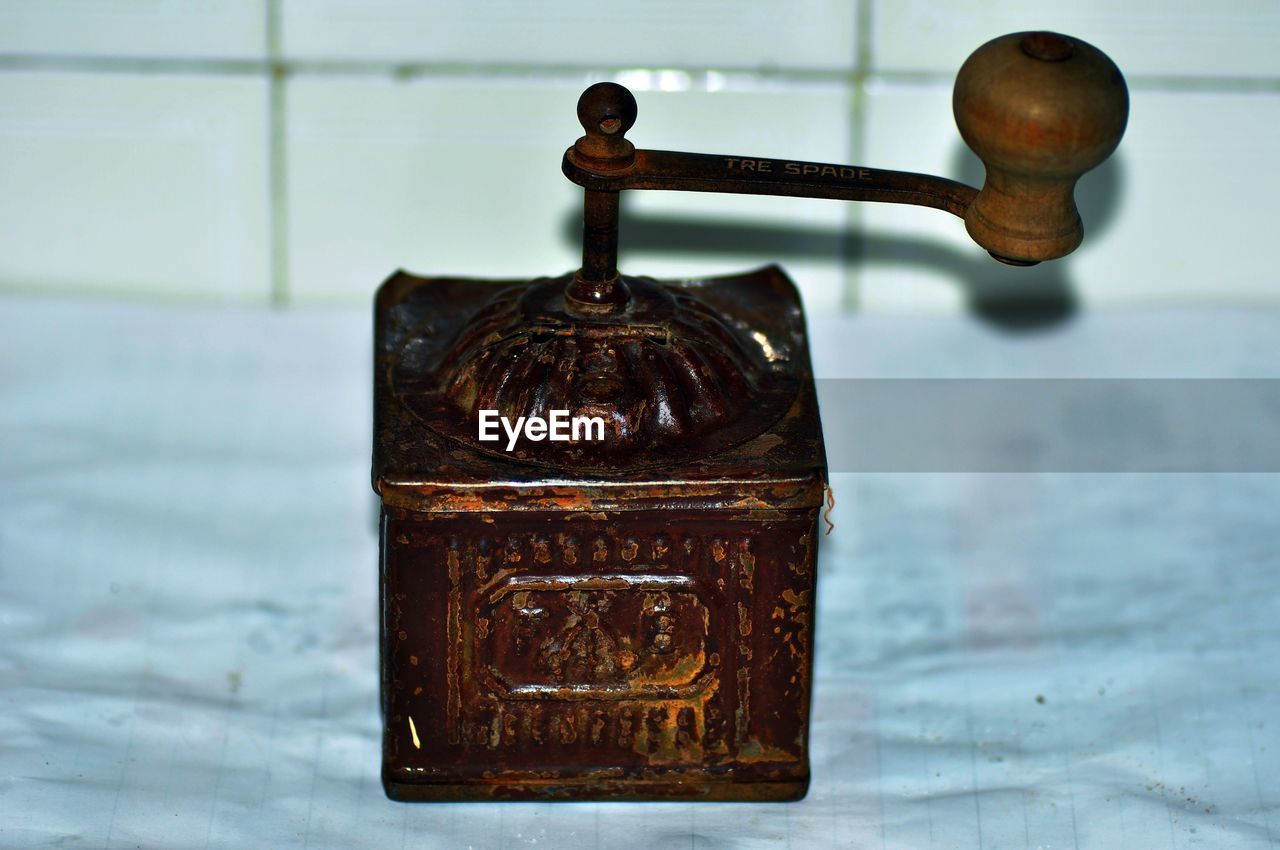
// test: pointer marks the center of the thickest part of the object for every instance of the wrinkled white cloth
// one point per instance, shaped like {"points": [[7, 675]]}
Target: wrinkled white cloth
{"points": [[188, 584]]}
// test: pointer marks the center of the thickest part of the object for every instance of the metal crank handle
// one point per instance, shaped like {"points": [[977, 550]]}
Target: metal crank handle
{"points": [[1038, 108], [695, 172]]}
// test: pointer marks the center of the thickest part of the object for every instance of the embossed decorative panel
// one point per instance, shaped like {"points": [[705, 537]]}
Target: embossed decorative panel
{"points": [[566, 655], [601, 637]]}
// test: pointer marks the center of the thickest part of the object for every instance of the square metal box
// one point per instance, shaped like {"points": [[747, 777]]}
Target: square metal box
{"points": [[632, 620]]}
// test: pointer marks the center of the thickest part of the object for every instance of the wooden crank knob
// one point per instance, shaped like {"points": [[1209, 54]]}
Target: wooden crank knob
{"points": [[1039, 109]]}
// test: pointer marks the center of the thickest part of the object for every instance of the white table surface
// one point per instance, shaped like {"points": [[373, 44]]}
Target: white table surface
{"points": [[188, 585]]}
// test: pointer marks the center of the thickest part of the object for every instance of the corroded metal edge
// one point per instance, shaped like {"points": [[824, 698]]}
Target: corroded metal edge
{"points": [[630, 790], [443, 497]]}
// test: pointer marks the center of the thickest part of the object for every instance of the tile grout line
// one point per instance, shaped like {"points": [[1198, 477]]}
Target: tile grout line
{"points": [[851, 297], [277, 162], [277, 65], [399, 70]]}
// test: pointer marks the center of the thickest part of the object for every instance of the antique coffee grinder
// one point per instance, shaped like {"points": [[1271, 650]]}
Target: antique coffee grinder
{"points": [[600, 493]]}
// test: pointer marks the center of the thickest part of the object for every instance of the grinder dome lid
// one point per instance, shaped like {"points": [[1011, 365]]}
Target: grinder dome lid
{"points": [[672, 378]]}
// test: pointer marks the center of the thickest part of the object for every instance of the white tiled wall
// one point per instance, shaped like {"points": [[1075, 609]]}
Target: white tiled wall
{"points": [[136, 184], [774, 34], [453, 176], [173, 29], [296, 151], [1170, 38]]}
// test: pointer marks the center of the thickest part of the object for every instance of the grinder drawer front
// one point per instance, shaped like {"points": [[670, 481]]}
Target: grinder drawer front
{"points": [[637, 654]]}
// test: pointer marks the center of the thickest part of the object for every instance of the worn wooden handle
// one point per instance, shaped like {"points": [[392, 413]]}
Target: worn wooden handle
{"points": [[1039, 109]]}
